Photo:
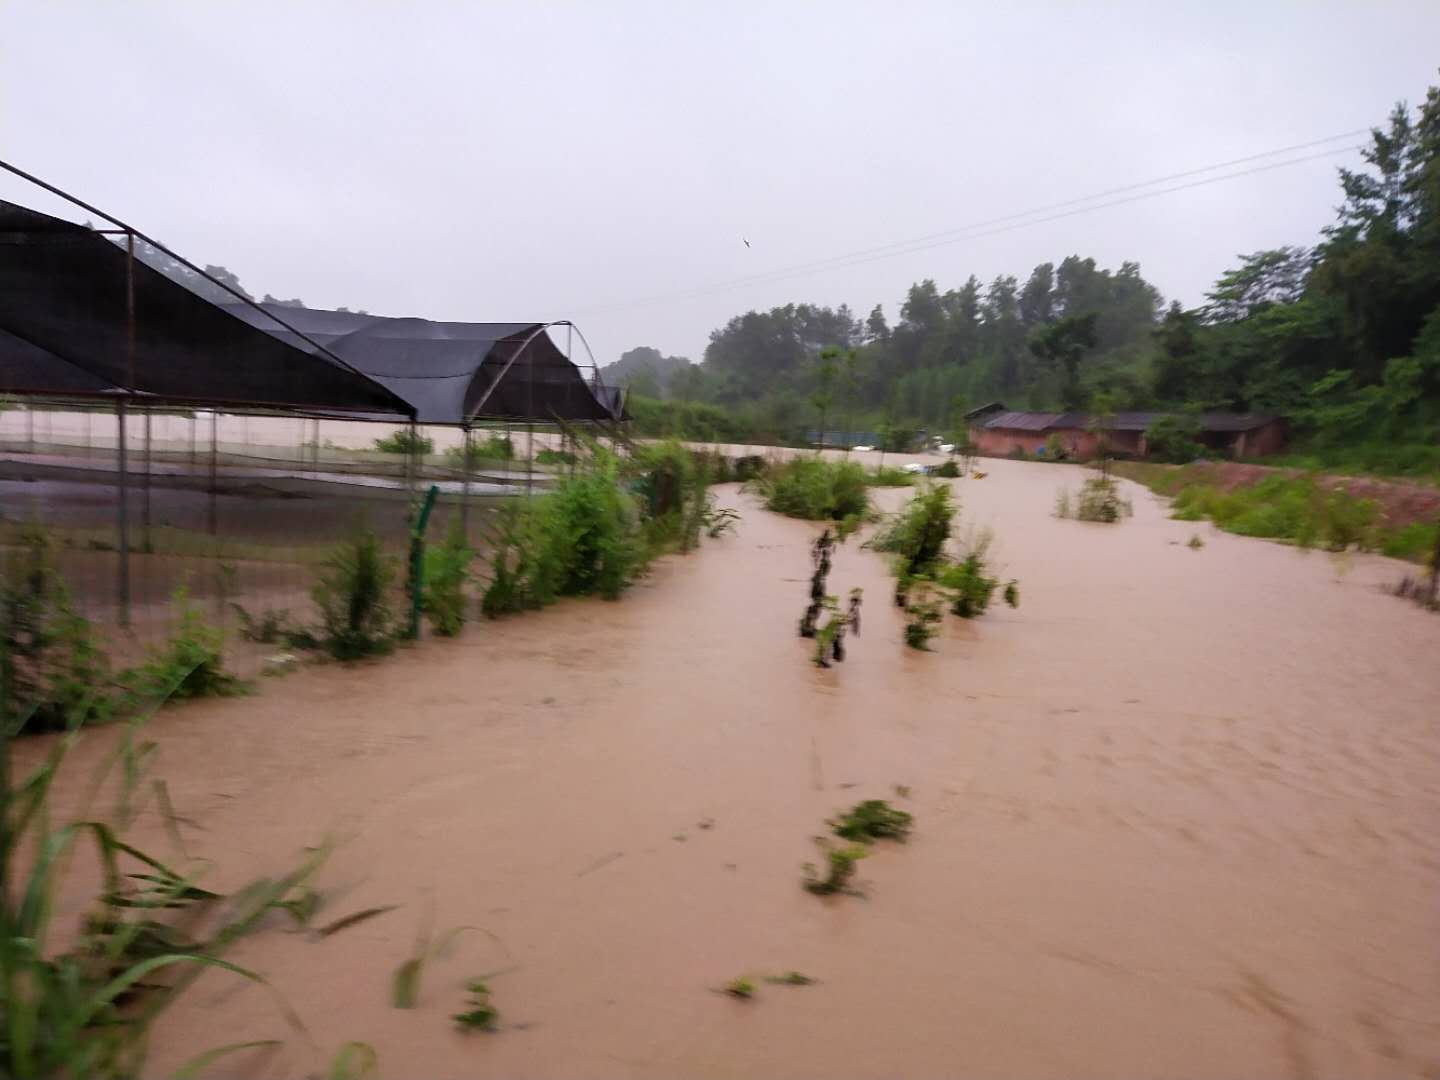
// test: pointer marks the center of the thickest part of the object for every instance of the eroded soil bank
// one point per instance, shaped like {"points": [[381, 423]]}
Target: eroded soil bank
{"points": [[1175, 817]]}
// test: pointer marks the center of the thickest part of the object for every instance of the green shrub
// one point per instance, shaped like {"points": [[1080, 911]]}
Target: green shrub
{"points": [[948, 470], [815, 489], [493, 448], [405, 441], [1415, 541], [52, 673], [891, 477], [1055, 448], [1174, 439], [446, 570], [353, 597], [970, 590], [190, 665], [554, 457], [583, 538]]}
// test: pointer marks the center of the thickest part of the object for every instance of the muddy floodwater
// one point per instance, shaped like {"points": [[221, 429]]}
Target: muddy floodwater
{"points": [[1176, 816]]}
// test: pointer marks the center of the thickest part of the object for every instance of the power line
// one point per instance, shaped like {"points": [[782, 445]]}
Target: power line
{"points": [[1006, 223]]}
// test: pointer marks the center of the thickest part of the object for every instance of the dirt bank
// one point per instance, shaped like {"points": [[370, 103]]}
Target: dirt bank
{"points": [[1175, 818]]}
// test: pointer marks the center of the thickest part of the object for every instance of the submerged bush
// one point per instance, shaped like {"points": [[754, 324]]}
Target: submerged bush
{"points": [[1099, 499], [873, 819], [926, 576], [815, 489], [353, 597]]}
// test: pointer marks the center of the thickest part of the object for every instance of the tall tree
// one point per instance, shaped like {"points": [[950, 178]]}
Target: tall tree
{"points": [[1037, 298], [1062, 346]]}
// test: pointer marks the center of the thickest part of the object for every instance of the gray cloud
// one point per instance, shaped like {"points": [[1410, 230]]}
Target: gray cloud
{"points": [[537, 160]]}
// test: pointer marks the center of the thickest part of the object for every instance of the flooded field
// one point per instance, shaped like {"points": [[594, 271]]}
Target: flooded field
{"points": [[1175, 817]]}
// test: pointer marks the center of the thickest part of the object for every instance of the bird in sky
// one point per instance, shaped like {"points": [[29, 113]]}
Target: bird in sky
{"points": [[747, 242]]}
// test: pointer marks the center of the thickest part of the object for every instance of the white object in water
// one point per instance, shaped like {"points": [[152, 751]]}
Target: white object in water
{"points": [[914, 467], [947, 448], [862, 447]]}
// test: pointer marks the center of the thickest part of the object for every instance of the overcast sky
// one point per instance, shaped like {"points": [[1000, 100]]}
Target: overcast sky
{"points": [[518, 161]]}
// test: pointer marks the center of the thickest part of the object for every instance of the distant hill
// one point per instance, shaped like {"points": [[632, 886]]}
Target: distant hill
{"points": [[645, 371]]}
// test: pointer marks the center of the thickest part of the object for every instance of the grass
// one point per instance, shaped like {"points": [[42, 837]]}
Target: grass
{"points": [[815, 489], [873, 819], [85, 1009], [1285, 508]]}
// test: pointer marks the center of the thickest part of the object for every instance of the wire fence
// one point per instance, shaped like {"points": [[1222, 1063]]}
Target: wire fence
{"points": [[237, 512]]}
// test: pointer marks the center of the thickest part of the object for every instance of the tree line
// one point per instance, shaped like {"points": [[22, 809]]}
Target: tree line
{"points": [[1341, 338]]}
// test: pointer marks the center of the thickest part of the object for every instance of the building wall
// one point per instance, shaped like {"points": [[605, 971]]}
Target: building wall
{"points": [[1081, 444], [1269, 439], [1078, 443]]}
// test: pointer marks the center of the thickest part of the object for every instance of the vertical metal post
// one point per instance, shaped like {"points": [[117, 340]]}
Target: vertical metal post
{"points": [[214, 477], [122, 508], [145, 543], [529, 457], [30, 426], [315, 452], [192, 436], [465, 485], [122, 520]]}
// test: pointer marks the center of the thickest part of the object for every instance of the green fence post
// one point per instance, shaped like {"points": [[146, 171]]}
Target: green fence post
{"points": [[417, 560]]}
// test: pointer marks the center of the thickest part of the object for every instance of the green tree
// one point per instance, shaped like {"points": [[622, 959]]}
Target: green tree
{"points": [[1062, 346]]}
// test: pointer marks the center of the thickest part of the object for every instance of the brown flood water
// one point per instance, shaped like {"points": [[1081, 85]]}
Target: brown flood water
{"points": [[1175, 817]]}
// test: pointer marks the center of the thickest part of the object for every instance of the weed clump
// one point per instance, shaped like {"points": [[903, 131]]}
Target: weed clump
{"points": [[353, 598], [191, 664], [840, 868], [478, 1014], [741, 987], [873, 819]]}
